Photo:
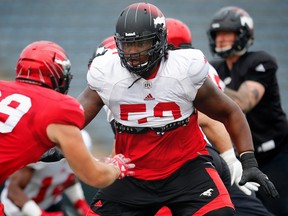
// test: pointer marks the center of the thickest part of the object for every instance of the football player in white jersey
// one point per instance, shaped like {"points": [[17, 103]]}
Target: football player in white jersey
{"points": [[39, 187], [153, 94]]}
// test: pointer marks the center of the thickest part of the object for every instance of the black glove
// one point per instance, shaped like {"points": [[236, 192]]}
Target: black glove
{"points": [[252, 173], [52, 155]]}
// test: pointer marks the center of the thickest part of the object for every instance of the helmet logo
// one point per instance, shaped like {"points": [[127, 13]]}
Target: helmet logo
{"points": [[130, 34], [159, 21], [215, 25], [246, 20], [65, 64]]}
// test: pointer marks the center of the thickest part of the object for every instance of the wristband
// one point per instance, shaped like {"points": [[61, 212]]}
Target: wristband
{"points": [[31, 208], [248, 160], [74, 193], [229, 155]]}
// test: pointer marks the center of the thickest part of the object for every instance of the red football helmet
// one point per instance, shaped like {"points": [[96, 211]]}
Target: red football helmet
{"points": [[178, 33], [44, 63], [101, 49], [108, 43]]}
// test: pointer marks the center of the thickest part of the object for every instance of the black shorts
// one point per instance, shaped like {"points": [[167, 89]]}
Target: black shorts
{"points": [[194, 189]]}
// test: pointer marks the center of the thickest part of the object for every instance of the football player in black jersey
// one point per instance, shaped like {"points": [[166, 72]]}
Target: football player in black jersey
{"points": [[251, 81]]}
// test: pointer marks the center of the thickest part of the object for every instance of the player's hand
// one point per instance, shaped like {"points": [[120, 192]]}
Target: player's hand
{"points": [[235, 169], [58, 213], [251, 172], [30, 208], [82, 207], [122, 164]]}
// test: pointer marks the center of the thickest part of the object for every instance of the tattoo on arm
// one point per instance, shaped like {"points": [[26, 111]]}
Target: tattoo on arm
{"points": [[246, 97]]}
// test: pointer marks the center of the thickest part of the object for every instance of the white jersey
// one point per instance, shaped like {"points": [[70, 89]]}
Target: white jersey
{"points": [[47, 183], [45, 187], [166, 98]]}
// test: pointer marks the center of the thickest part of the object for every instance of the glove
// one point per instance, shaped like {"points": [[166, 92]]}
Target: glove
{"points": [[235, 169], [30, 208], [122, 164], [251, 172], [82, 207], [52, 155]]}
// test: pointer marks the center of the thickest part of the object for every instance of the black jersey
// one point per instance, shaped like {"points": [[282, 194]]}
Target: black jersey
{"points": [[267, 119]]}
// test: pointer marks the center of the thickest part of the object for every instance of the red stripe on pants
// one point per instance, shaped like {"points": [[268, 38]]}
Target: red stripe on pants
{"points": [[222, 200], [91, 213], [1, 209]]}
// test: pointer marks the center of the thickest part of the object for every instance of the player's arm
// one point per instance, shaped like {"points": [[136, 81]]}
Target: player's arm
{"points": [[18, 181], [212, 102], [248, 95], [81, 161], [91, 102], [215, 132]]}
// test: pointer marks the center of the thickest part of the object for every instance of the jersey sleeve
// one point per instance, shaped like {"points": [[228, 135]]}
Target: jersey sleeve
{"points": [[199, 69], [263, 68], [38, 165], [67, 111], [96, 72]]}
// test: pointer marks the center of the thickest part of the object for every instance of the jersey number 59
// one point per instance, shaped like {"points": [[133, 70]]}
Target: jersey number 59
{"points": [[12, 109]]}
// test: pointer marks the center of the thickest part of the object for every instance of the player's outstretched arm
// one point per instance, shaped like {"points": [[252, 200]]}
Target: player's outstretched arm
{"points": [[90, 170], [17, 183]]}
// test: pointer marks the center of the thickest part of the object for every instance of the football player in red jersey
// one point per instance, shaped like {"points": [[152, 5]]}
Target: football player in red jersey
{"points": [[153, 94], [36, 115], [44, 185]]}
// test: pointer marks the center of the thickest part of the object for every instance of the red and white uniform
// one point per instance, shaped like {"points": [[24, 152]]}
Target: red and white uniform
{"points": [[166, 98], [45, 187], [25, 112], [47, 184]]}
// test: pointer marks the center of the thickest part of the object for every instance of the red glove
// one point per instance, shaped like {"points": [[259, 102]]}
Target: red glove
{"points": [[122, 164], [57, 213], [82, 207]]}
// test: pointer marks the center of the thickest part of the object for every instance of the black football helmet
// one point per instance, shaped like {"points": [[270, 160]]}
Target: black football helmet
{"points": [[232, 19], [140, 22]]}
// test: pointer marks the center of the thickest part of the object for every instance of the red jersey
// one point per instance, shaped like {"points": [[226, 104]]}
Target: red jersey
{"points": [[25, 112]]}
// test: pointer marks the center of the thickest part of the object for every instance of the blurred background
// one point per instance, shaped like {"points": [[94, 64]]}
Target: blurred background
{"points": [[79, 26]]}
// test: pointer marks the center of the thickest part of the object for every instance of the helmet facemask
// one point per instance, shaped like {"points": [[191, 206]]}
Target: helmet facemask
{"points": [[134, 61], [63, 83]]}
